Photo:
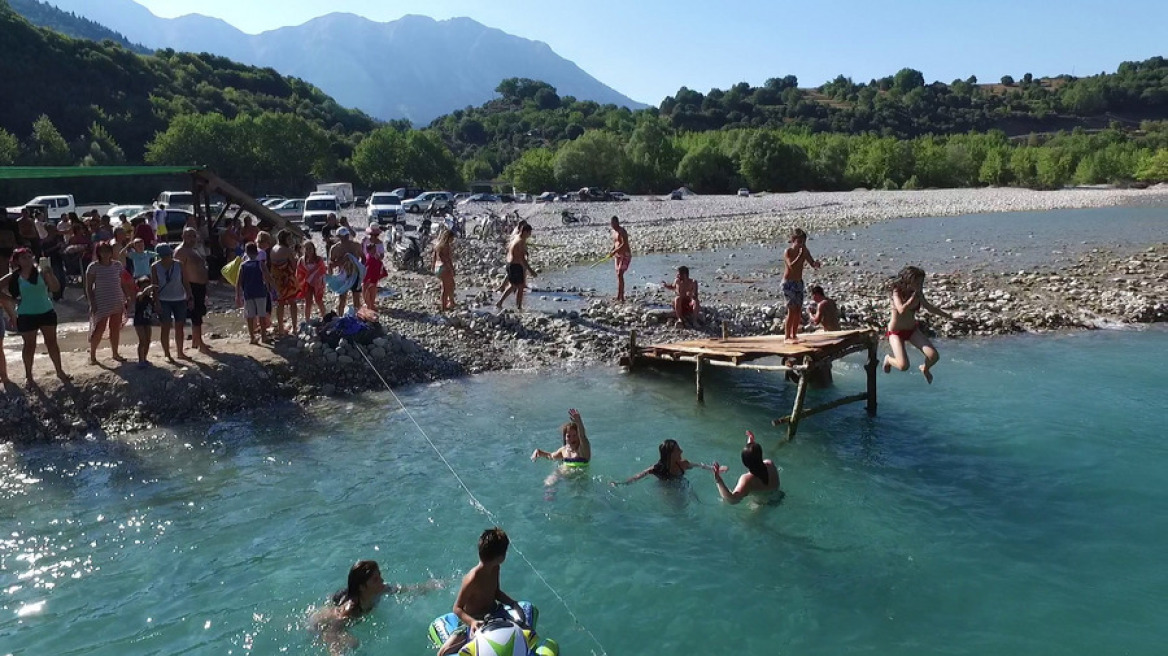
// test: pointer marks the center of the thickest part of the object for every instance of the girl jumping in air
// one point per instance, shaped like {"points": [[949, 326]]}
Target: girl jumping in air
{"points": [[908, 298]]}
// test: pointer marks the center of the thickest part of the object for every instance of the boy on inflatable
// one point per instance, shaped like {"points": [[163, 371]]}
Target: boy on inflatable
{"points": [[480, 594]]}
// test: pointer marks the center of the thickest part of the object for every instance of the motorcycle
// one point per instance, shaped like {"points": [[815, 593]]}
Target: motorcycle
{"points": [[407, 251]]}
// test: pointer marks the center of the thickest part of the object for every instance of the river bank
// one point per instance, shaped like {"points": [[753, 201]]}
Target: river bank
{"points": [[571, 326]]}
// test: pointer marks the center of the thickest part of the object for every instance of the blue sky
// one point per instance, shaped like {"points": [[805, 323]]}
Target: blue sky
{"points": [[647, 49]]}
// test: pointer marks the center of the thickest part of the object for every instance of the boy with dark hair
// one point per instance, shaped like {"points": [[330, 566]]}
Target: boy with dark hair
{"points": [[480, 594], [824, 313], [685, 304], [795, 258]]}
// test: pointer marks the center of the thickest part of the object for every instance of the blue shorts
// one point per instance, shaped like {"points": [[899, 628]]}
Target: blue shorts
{"points": [[172, 312], [794, 291]]}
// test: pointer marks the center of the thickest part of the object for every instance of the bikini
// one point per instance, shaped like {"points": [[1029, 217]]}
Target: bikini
{"points": [[903, 334]]}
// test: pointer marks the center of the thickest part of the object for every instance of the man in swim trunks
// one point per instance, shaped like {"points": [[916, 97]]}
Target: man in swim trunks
{"points": [[346, 250], [685, 304], [480, 594], [517, 267], [195, 272], [795, 257], [622, 255]]}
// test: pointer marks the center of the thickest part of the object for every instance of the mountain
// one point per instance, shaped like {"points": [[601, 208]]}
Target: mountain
{"points": [[43, 14], [415, 68]]}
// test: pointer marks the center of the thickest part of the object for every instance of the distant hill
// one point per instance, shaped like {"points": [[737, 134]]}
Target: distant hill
{"points": [[415, 68], [43, 14], [82, 83]]}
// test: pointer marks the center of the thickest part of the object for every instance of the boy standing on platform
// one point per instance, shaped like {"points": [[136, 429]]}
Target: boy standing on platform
{"points": [[795, 257]]}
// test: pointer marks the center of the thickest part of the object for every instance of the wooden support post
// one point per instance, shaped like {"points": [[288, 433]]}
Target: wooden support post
{"points": [[725, 331], [630, 357], [698, 376], [822, 408], [870, 368], [797, 411]]}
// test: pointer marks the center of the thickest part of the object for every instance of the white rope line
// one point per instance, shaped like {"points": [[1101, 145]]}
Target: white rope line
{"points": [[478, 504]]}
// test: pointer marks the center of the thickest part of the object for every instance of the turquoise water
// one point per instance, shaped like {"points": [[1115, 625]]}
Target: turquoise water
{"points": [[1016, 506]]}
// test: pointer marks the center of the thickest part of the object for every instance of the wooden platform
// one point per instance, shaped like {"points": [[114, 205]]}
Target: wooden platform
{"points": [[811, 356]]}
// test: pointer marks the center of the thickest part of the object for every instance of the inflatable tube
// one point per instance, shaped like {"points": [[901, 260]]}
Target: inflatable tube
{"points": [[500, 635], [342, 282]]}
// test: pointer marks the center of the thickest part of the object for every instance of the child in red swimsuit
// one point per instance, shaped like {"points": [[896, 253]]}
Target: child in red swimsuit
{"points": [[374, 273], [908, 297]]}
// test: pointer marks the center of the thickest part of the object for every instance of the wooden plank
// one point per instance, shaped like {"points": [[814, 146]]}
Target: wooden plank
{"points": [[800, 394], [822, 408]]}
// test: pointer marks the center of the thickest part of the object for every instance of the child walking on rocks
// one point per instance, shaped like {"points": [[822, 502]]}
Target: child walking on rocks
{"points": [[908, 298], [252, 293], [795, 257]]}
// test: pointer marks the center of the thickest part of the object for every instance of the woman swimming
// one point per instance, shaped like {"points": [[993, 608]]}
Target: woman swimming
{"points": [[670, 465], [761, 476], [908, 298], [576, 451]]}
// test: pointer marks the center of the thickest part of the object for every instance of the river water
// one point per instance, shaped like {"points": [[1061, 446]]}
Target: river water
{"points": [[1015, 506]]}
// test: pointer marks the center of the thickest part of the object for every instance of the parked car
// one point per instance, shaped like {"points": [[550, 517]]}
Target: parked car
{"points": [[176, 220], [55, 206], [115, 213], [290, 208], [384, 208], [546, 197], [271, 201], [362, 201], [423, 201], [179, 200], [481, 198], [406, 193], [744, 192], [619, 196], [317, 207]]}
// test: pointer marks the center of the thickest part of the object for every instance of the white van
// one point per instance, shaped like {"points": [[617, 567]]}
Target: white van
{"points": [[176, 200], [317, 207]]}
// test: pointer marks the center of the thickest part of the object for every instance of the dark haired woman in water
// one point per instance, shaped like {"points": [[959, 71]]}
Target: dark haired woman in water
{"points": [[670, 465], [761, 477], [359, 596]]}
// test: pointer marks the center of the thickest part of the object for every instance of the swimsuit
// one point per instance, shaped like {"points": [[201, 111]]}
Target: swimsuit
{"points": [[794, 290], [903, 334], [516, 274], [622, 263], [575, 463]]}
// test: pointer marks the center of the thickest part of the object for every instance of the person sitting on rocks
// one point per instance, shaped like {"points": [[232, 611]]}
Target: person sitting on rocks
{"points": [[685, 304], [824, 313]]}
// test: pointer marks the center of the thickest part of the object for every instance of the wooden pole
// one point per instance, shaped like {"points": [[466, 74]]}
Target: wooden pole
{"points": [[725, 331], [870, 367], [632, 357], [822, 408], [796, 412], [698, 380]]}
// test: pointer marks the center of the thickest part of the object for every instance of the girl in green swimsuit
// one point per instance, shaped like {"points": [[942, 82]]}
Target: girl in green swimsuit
{"points": [[576, 451]]}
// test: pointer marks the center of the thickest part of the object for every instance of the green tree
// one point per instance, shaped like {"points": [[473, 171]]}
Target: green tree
{"points": [[379, 159], [534, 171], [651, 158], [102, 149], [593, 160], [9, 148], [1153, 167], [209, 140], [767, 163], [707, 170], [1053, 167], [46, 146], [1007, 81], [1024, 166], [477, 169], [908, 79], [429, 162], [288, 147], [994, 170]]}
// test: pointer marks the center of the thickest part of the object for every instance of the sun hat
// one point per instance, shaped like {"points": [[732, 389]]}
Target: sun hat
{"points": [[375, 229]]}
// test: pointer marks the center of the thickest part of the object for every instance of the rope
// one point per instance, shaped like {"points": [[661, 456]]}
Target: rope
{"points": [[478, 504]]}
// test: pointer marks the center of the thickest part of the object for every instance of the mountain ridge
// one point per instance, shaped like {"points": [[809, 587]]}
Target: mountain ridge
{"points": [[436, 66]]}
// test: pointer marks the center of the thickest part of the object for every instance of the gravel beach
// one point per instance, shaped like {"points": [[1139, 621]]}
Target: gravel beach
{"points": [[573, 325]]}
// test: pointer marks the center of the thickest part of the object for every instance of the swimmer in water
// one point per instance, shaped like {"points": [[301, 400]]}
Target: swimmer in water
{"points": [[360, 595], [761, 477], [576, 451], [670, 465]]}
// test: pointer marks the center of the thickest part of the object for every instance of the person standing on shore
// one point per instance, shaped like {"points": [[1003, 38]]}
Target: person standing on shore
{"points": [[144, 317], [195, 272], [347, 254], [328, 232], [282, 270], [908, 297], [444, 268], [795, 257], [107, 300], [7, 315], [374, 273], [824, 313], [253, 293], [29, 289], [173, 300], [622, 255], [517, 267], [310, 273]]}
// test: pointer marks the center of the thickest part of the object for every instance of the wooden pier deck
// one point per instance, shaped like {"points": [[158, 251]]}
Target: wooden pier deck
{"points": [[812, 355]]}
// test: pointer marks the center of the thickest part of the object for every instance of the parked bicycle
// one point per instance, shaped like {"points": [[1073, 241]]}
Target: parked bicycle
{"points": [[569, 217]]}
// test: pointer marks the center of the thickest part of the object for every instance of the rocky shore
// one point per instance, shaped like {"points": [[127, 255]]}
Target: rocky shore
{"points": [[1098, 289]]}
